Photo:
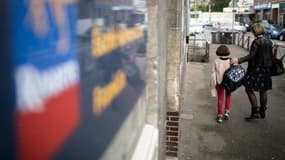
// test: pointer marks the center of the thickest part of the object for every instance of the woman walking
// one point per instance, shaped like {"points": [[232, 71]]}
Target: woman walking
{"points": [[258, 76]]}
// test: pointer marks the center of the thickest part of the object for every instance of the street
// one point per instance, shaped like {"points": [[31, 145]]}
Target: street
{"points": [[110, 79], [202, 138]]}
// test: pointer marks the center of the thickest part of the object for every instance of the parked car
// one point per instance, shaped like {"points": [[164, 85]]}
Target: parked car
{"points": [[208, 25], [196, 28], [239, 27], [236, 26], [247, 23], [273, 31], [282, 35], [264, 23]]}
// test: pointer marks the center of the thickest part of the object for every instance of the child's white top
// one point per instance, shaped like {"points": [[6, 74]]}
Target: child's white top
{"points": [[219, 67]]}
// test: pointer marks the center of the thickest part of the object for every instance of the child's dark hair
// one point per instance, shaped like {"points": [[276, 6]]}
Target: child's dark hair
{"points": [[222, 50]]}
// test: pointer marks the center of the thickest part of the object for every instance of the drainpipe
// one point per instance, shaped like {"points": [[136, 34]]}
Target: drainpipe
{"points": [[233, 5], [187, 20]]}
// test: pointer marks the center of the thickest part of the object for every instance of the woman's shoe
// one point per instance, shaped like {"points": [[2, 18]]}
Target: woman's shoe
{"points": [[255, 114], [262, 112]]}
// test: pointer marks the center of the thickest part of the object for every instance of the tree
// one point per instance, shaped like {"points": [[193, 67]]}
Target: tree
{"points": [[218, 5], [200, 7]]}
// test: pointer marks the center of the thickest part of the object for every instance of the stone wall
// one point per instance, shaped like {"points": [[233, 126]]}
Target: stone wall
{"points": [[173, 58], [176, 59]]}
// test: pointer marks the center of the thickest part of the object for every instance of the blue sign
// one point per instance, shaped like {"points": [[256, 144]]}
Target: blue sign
{"points": [[45, 73], [260, 6]]}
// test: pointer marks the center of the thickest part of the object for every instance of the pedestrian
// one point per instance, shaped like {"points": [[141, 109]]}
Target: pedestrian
{"points": [[258, 76], [220, 65]]}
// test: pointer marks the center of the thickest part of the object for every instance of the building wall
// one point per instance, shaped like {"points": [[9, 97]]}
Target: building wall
{"points": [[275, 13], [175, 58]]}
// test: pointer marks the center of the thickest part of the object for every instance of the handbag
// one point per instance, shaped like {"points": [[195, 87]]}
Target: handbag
{"points": [[277, 67], [233, 77]]}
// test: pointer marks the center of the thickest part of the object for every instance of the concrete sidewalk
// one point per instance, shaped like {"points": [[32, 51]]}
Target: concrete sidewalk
{"points": [[201, 138]]}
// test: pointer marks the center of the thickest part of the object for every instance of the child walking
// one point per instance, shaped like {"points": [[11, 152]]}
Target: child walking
{"points": [[220, 65]]}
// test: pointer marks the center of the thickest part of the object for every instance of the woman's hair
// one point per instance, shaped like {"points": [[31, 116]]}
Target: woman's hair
{"points": [[257, 29], [222, 50]]}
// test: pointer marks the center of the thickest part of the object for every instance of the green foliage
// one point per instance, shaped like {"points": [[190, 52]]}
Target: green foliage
{"points": [[202, 7], [218, 5]]}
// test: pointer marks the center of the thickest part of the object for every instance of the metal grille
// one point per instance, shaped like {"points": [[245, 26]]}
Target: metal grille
{"points": [[198, 50]]}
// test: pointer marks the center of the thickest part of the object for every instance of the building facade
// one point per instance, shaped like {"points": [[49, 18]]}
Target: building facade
{"points": [[271, 10]]}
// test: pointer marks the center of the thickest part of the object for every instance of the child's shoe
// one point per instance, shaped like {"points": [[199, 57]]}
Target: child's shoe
{"points": [[227, 115], [219, 119]]}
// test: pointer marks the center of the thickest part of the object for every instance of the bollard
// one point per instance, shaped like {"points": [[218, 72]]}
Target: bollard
{"points": [[238, 40], [187, 39], [248, 42], [242, 40], [275, 49]]}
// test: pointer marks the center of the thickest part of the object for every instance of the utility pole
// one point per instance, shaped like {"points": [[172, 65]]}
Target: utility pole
{"points": [[233, 6], [195, 9], [210, 10]]}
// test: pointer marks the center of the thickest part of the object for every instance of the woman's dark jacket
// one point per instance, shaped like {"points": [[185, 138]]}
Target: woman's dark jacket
{"points": [[260, 54]]}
